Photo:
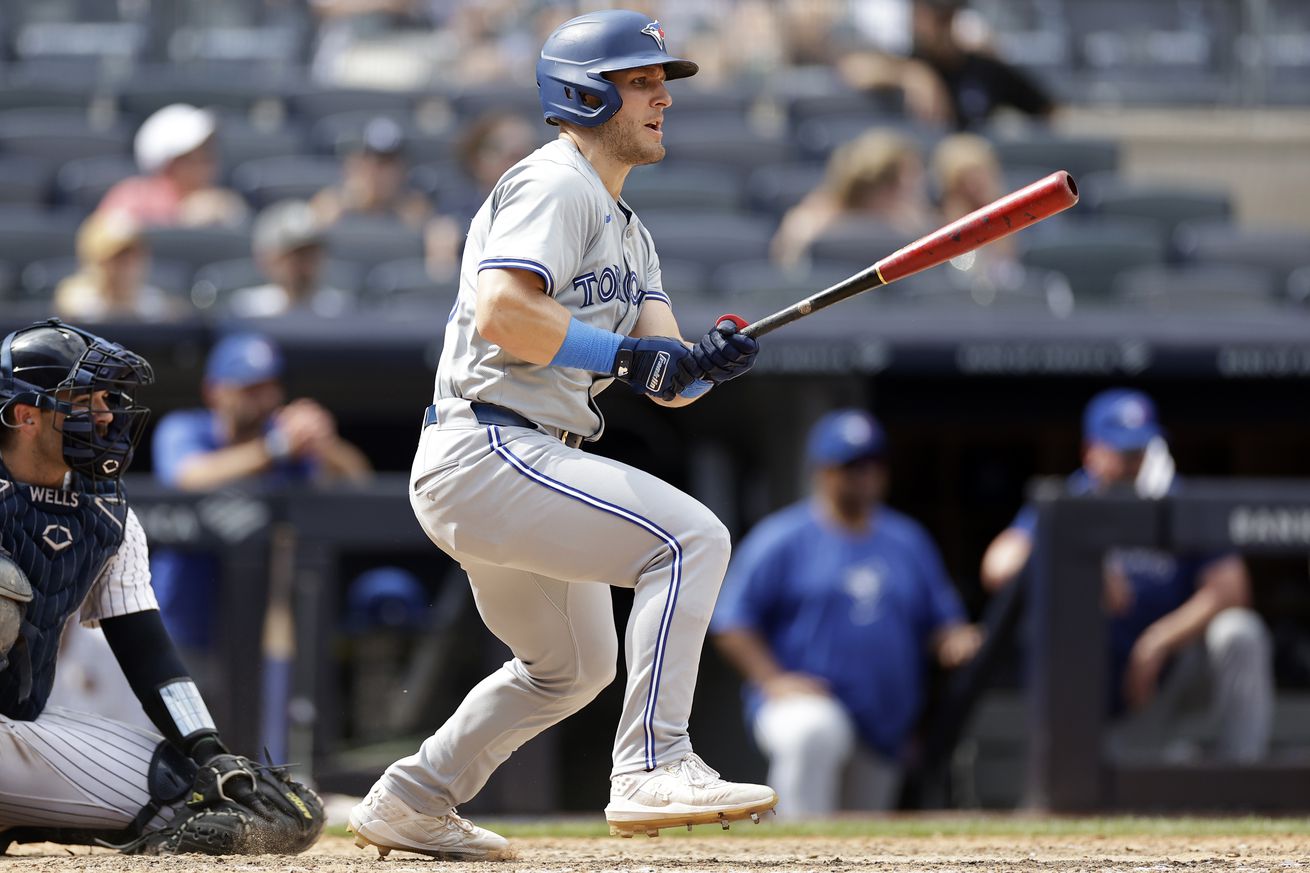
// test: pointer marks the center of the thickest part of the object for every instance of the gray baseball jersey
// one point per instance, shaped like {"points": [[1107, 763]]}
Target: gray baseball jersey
{"points": [[550, 215], [543, 529]]}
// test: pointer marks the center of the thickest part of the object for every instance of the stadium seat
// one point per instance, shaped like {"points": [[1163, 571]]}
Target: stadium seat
{"points": [[1195, 288], [683, 280], [40, 278], [474, 101], [1298, 285], [299, 177], [708, 239], [14, 94], [240, 140], [368, 241], [872, 107], [1277, 249], [818, 138], [8, 283], [214, 283], [857, 239], [766, 282], [55, 136], [337, 134], [82, 183], [30, 234], [1016, 288], [23, 180], [158, 85], [776, 188], [196, 246], [682, 186], [312, 104], [408, 282], [1047, 153], [725, 144], [1165, 206], [1092, 254]]}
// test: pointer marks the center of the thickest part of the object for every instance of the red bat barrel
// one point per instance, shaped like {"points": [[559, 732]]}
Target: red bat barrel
{"points": [[1000, 218]]}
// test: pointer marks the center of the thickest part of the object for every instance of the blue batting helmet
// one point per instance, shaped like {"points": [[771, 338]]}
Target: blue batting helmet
{"points": [[50, 364], [580, 51]]}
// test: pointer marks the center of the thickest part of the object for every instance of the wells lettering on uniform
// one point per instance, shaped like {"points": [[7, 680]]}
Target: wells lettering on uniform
{"points": [[57, 496], [605, 286]]}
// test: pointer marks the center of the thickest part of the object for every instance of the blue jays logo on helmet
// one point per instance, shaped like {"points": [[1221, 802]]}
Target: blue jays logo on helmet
{"points": [[655, 32], [575, 58]]}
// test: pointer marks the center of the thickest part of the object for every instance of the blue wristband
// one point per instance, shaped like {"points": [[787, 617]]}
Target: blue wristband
{"points": [[587, 348], [696, 389]]}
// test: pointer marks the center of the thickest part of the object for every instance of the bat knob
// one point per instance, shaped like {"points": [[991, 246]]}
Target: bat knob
{"points": [[732, 319]]}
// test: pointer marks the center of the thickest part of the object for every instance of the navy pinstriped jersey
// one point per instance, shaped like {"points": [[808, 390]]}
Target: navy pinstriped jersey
{"points": [[63, 539]]}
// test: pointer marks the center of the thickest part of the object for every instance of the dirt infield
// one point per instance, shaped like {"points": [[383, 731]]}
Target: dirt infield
{"points": [[723, 853]]}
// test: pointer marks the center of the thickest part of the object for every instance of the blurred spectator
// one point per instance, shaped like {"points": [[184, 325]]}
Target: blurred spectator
{"points": [[175, 152], [832, 609], [375, 184], [373, 180], [879, 175], [966, 176], [247, 433], [110, 283], [977, 82], [289, 248], [1176, 621], [946, 80], [494, 143]]}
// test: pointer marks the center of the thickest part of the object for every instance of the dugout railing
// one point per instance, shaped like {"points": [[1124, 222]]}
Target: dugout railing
{"points": [[1068, 768]]}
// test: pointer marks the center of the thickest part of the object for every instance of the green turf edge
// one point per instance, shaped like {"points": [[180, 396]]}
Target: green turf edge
{"points": [[930, 825]]}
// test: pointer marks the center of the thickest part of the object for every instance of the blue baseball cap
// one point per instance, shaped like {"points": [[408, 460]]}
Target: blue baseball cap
{"points": [[243, 359], [1122, 419], [386, 597], [843, 436]]}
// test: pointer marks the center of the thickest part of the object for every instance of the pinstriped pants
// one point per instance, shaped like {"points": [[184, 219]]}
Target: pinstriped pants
{"points": [[543, 531], [73, 769]]}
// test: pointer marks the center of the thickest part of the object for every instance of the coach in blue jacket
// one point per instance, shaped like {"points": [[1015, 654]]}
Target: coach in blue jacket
{"points": [[831, 610]]}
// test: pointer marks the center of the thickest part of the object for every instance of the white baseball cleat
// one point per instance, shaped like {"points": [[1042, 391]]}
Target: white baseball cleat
{"points": [[686, 792], [385, 823]]}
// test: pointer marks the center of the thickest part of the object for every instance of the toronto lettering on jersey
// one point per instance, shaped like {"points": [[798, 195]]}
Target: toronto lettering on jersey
{"points": [[57, 496], [606, 286]]}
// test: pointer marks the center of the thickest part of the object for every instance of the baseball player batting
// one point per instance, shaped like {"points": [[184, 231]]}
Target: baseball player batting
{"points": [[560, 294], [70, 544]]}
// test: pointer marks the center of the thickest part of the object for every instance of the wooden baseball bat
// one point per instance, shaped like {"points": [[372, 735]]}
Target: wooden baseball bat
{"points": [[998, 219]]}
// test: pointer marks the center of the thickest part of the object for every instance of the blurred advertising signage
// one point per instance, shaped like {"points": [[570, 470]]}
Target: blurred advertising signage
{"points": [[1269, 525]]}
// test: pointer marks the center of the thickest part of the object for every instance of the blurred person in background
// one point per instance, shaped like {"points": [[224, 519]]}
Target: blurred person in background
{"points": [[832, 610], [247, 434], [977, 82], [374, 180], [494, 142], [110, 282], [966, 176], [375, 184], [176, 154], [289, 249], [879, 175], [1176, 621]]}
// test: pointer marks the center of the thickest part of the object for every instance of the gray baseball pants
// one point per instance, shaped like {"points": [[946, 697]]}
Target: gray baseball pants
{"points": [[542, 531]]}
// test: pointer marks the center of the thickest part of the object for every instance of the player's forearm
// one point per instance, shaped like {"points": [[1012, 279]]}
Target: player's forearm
{"points": [[749, 654], [210, 470], [344, 461], [1224, 585], [1005, 558], [514, 312]]}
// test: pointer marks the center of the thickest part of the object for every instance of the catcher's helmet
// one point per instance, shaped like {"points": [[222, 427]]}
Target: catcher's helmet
{"points": [[50, 364], [581, 50]]}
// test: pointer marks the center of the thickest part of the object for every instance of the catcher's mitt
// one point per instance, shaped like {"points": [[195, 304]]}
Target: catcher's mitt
{"points": [[237, 807]]}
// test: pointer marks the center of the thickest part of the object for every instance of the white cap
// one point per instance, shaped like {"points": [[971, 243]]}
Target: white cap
{"points": [[170, 133]]}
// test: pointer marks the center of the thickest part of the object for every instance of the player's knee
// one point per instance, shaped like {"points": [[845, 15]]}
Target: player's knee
{"points": [[595, 672], [708, 539], [815, 729], [1238, 634]]}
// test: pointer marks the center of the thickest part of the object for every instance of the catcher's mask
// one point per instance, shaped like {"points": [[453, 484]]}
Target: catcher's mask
{"points": [[58, 367]]}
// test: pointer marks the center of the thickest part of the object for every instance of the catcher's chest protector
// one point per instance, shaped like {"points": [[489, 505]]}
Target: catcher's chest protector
{"points": [[62, 541]]}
